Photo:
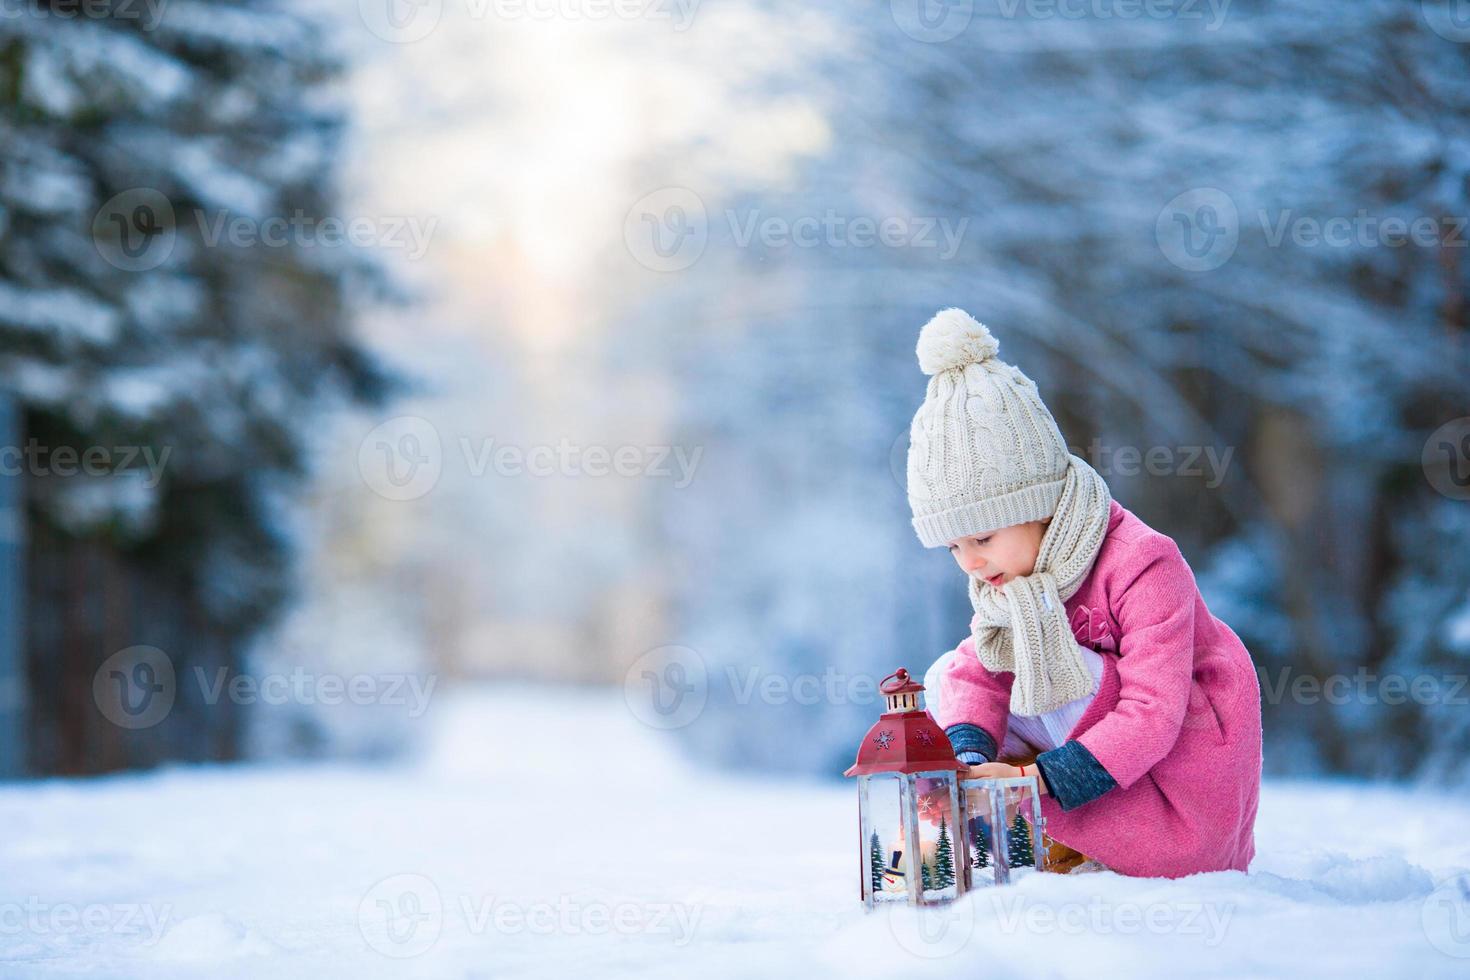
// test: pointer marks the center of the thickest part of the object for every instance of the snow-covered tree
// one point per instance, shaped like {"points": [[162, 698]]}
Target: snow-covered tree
{"points": [[944, 857], [979, 844], [876, 862], [1021, 853], [166, 283]]}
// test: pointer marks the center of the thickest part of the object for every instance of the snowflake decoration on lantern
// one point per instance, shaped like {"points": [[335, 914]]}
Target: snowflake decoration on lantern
{"points": [[884, 739], [933, 806], [924, 736]]}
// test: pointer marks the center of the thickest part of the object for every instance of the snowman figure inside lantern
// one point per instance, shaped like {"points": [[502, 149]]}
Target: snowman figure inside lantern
{"points": [[928, 836]]}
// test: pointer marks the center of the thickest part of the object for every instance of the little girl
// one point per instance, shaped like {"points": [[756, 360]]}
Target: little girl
{"points": [[1092, 662]]}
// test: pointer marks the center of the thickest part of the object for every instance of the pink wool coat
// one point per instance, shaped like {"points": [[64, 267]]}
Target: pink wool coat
{"points": [[1176, 720]]}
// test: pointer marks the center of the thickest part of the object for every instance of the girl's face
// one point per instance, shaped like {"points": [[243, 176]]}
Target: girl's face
{"points": [[999, 556]]}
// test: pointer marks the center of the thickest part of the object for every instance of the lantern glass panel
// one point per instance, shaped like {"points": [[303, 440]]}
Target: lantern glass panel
{"points": [[1022, 838], [981, 831], [939, 870], [885, 839]]}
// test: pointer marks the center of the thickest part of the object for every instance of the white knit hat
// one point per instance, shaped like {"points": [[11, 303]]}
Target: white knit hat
{"points": [[984, 452]]}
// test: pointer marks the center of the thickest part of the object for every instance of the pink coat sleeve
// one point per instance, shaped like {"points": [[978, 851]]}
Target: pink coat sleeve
{"points": [[1155, 613], [970, 694]]}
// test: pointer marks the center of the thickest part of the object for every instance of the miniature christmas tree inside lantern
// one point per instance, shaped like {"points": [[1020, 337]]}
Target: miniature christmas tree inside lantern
{"points": [[909, 791], [1003, 828]]}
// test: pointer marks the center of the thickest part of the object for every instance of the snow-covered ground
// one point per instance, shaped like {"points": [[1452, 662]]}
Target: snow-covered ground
{"points": [[546, 833]]}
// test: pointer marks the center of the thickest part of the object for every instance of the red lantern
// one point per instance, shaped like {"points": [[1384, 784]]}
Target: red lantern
{"points": [[919, 825]]}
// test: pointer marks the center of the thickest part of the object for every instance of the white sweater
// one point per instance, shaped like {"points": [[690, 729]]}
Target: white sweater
{"points": [[1028, 734]]}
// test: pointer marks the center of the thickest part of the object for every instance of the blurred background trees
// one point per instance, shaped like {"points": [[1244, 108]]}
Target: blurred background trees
{"points": [[129, 324], [1315, 371], [1129, 203]]}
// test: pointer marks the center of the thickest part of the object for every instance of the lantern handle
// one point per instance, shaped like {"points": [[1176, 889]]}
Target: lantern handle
{"points": [[901, 675]]}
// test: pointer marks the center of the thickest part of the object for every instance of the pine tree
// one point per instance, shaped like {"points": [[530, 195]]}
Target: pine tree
{"points": [[980, 844], [875, 858], [126, 322], [1021, 853], [944, 857], [926, 877]]}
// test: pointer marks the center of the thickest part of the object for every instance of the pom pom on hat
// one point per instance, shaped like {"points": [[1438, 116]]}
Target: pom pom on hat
{"points": [[954, 339]]}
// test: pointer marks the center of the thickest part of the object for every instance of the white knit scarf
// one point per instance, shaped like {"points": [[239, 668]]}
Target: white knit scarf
{"points": [[1023, 628]]}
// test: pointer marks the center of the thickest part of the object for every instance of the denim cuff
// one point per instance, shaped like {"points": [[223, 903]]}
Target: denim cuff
{"points": [[968, 738], [1073, 775]]}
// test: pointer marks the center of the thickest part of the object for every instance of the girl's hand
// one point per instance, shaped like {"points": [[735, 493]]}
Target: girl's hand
{"points": [[1002, 770]]}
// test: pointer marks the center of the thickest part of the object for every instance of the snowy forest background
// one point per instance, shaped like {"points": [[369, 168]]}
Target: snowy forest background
{"points": [[564, 245]]}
